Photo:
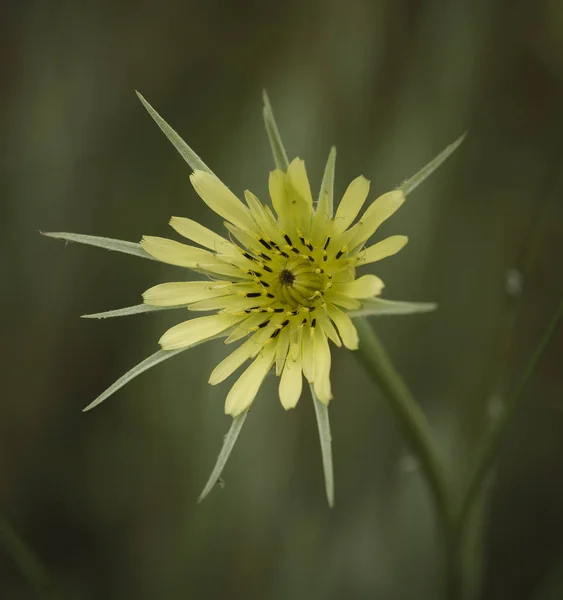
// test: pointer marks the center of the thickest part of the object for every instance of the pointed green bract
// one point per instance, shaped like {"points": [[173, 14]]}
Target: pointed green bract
{"points": [[321, 412], [185, 151], [327, 184], [129, 310], [101, 242], [378, 306], [143, 366], [410, 184], [278, 150], [228, 445]]}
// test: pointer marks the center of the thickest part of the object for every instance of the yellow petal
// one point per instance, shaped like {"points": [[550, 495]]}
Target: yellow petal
{"points": [[297, 176], [346, 328], [321, 384], [308, 355], [282, 347], [183, 292], [196, 330], [194, 231], [280, 202], [380, 210], [291, 383], [220, 199], [383, 249], [174, 253], [231, 303], [328, 328], [246, 387], [351, 204], [232, 362], [366, 286]]}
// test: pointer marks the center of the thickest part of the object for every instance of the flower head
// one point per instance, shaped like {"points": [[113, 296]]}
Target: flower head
{"points": [[284, 279], [281, 280]]}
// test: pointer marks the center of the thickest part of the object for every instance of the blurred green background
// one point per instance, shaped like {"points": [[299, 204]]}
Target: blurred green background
{"points": [[107, 498]]}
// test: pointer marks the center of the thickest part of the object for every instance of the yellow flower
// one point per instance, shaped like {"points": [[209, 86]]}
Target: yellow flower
{"points": [[284, 280]]}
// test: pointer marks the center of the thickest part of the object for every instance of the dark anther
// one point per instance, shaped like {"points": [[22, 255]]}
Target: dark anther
{"points": [[313, 322], [275, 333], [265, 244], [295, 250], [246, 255], [265, 256], [311, 258], [339, 253], [268, 295], [310, 246], [279, 310], [287, 239], [253, 295], [263, 324], [284, 254], [267, 268], [286, 322], [326, 243], [257, 273], [264, 284]]}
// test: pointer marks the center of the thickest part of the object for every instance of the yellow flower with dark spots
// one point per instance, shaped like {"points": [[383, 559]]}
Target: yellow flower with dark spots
{"points": [[282, 280]]}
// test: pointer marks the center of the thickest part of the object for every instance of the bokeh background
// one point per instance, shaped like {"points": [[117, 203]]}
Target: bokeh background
{"points": [[107, 499]]}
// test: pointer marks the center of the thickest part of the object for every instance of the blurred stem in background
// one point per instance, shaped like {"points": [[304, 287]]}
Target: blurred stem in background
{"points": [[33, 571], [418, 435], [491, 444]]}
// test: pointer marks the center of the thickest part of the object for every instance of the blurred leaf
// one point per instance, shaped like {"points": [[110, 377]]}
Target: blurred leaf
{"points": [[377, 306], [228, 445], [129, 310], [321, 412], [327, 184], [278, 150], [411, 184], [101, 242], [185, 151]]}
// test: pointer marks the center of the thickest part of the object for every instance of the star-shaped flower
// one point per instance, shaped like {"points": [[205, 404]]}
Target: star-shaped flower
{"points": [[282, 279]]}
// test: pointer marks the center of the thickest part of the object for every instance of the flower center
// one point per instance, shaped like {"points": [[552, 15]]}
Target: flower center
{"points": [[286, 277]]}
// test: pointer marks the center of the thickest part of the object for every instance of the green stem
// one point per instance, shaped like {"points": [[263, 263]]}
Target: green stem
{"points": [[416, 431], [35, 574], [492, 442]]}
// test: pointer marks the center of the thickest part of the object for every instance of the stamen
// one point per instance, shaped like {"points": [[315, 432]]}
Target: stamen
{"points": [[268, 295], [265, 256], [287, 239], [253, 295], [265, 243], [263, 324], [267, 268], [284, 254], [246, 255], [326, 243], [275, 333]]}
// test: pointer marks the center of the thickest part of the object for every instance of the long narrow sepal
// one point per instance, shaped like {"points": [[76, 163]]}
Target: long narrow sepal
{"points": [[410, 184], [185, 151], [129, 310], [278, 149], [101, 242], [378, 306], [228, 445], [143, 366], [321, 412], [327, 184]]}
